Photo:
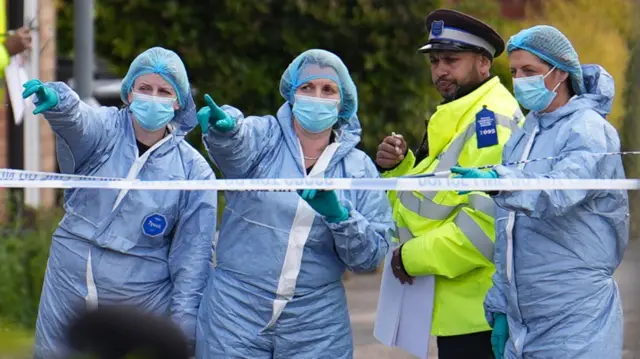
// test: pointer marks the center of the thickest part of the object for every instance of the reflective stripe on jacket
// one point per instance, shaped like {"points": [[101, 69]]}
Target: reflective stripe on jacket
{"points": [[448, 235]]}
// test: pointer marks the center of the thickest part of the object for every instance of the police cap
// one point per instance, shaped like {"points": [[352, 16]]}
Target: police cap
{"points": [[451, 30]]}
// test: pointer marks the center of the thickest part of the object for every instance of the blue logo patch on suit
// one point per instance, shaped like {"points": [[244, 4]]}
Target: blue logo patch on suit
{"points": [[154, 225]]}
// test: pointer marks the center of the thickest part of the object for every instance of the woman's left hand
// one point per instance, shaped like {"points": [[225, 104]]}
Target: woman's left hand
{"points": [[326, 203], [472, 173], [213, 114]]}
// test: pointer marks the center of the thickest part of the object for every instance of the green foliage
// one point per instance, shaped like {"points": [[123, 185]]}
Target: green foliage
{"points": [[605, 43], [236, 50], [23, 258]]}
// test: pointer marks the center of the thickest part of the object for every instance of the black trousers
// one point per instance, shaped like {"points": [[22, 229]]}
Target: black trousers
{"points": [[468, 346]]}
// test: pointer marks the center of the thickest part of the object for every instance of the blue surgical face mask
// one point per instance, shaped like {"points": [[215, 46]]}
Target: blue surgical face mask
{"points": [[532, 93], [315, 114], [152, 112]]}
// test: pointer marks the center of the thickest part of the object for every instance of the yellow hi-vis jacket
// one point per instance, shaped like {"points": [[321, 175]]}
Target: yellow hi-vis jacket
{"points": [[448, 235], [4, 54]]}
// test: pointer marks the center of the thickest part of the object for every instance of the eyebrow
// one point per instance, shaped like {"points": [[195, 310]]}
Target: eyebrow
{"points": [[162, 87]]}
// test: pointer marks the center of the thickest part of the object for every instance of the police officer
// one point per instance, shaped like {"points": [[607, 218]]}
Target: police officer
{"points": [[447, 234]]}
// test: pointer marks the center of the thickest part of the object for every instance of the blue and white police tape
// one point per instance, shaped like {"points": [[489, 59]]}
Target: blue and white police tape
{"points": [[448, 172], [29, 179]]}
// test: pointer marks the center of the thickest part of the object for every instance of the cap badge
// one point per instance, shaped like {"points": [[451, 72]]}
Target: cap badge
{"points": [[437, 27]]}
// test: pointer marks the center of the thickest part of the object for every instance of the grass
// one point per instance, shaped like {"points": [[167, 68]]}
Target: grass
{"points": [[15, 343]]}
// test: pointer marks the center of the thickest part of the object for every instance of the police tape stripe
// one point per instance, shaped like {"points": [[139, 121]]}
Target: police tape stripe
{"points": [[22, 175], [445, 173], [28, 179]]}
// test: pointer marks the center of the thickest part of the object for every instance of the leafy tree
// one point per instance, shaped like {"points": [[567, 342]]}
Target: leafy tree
{"points": [[236, 50]]}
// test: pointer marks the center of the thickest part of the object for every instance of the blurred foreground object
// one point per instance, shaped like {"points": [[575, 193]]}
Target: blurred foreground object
{"points": [[124, 332]]}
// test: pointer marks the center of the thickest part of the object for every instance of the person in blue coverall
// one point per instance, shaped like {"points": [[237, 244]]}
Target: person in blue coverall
{"points": [[147, 249], [554, 295], [276, 290]]}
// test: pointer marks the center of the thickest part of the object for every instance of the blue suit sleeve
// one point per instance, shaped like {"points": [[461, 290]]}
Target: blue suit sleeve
{"points": [[495, 300], [362, 241], [191, 251], [238, 151], [578, 159], [81, 130]]}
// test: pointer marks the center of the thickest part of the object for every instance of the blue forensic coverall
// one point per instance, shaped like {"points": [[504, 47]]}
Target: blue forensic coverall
{"points": [[259, 238], [557, 250], [148, 249]]}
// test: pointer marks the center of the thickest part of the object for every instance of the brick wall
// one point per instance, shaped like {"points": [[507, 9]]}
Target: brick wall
{"points": [[47, 73]]}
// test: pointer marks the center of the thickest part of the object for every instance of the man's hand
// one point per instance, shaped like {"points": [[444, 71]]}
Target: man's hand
{"points": [[18, 41], [398, 268], [391, 151]]}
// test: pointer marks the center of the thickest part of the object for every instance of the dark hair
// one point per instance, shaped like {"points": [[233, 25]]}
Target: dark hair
{"points": [[572, 92], [485, 53], [114, 332]]}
